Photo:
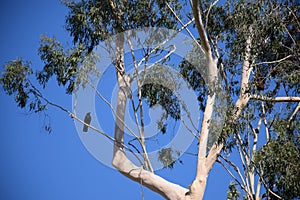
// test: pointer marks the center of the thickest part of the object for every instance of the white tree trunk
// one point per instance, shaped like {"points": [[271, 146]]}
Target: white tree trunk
{"points": [[125, 166]]}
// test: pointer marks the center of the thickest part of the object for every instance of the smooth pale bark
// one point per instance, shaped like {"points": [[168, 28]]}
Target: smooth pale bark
{"points": [[126, 167], [205, 162], [120, 160], [197, 188], [276, 99]]}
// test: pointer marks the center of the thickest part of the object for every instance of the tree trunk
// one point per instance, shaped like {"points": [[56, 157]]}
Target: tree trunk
{"points": [[120, 161]]}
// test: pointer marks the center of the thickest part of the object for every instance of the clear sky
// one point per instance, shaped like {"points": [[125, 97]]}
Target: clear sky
{"points": [[36, 165]]}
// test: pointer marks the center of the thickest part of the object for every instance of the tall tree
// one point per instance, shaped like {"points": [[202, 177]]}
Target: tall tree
{"points": [[250, 47]]}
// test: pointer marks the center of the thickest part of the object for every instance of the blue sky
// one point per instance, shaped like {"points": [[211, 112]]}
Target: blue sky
{"points": [[36, 165]]}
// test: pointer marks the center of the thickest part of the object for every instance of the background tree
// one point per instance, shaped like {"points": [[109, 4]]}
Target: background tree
{"points": [[252, 44]]}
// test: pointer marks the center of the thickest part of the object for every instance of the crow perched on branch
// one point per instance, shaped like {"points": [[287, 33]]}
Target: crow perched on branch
{"points": [[87, 120]]}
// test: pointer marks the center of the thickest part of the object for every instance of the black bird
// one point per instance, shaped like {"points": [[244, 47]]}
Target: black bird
{"points": [[87, 120]]}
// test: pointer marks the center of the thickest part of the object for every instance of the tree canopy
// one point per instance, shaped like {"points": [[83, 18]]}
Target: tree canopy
{"points": [[249, 51]]}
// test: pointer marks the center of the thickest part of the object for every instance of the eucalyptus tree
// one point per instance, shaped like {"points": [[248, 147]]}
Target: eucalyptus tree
{"points": [[248, 51]]}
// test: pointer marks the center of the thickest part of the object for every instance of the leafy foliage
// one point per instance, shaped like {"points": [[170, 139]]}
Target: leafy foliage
{"points": [[64, 65], [279, 160], [166, 157], [92, 21], [159, 88], [158, 94], [196, 81], [88, 22], [232, 192], [274, 29], [15, 81]]}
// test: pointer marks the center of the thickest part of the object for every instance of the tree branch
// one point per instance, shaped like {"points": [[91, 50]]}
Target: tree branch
{"points": [[163, 43], [294, 113], [120, 160], [265, 121], [141, 130], [127, 168], [113, 111], [275, 99], [199, 24], [74, 116], [246, 165], [272, 62], [184, 26], [243, 184], [208, 12], [154, 182], [240, 103]]}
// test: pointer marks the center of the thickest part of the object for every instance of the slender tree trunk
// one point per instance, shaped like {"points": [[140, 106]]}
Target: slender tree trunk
{"points": [[120, 161]]}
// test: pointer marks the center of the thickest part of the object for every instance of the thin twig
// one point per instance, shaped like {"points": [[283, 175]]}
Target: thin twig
{"points": [[232, 175], [173, 49], [294, 113], [272, 62], [185, 125], [112, 109], [208, 12], [73, 116], [141, 130], [185, 27], [235, 168], [164, 42], [244, 157], [265, 121]]}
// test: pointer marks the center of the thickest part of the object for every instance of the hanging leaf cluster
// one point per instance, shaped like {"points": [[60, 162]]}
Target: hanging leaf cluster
{"points": [[92, 21], [15, 81]]}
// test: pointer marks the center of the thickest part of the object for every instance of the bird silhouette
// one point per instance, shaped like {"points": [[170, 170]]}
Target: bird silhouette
{"points": [[87, 120]]}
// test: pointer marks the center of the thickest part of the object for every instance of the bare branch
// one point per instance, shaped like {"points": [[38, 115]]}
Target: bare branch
{"points": [[141, 130], [294, 113], [257, 193], [208, 12], [164, 42], [73, 116], [242, 185], [244, 156], [185, 125], [246, 69], [275, 99], [236, 168], [240, 103], [265, 121], [150, 180], [183, 26], [254, 148], [201, 31], [173, 49], [272, 62], [205, 126], [113, 110], [198, 185]]}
